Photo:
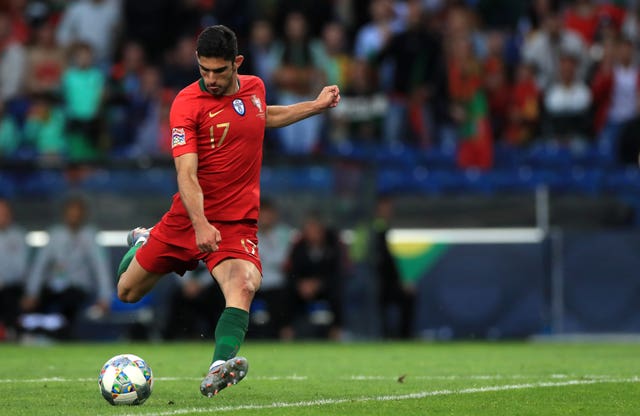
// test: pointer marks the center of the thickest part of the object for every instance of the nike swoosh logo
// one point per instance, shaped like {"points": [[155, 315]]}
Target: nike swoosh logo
{"points": [[212, 115]]}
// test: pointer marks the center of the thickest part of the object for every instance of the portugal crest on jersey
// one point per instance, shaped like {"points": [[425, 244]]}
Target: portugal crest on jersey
{"points": [[238, 105]]}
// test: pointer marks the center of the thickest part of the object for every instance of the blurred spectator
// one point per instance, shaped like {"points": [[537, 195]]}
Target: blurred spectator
{"points": [[260, 55], [397, 298], [151, 111], [13, 257], [12, 62], [377, 284], [363, 107], [124, 89], [46, 61], [274, 240], [616, 93], [44, 129], [20, 28], [194, 306], [416, 57], [588, 18], [94, 22], [469, 108], [318, 13], [70, 272], [335, 63], [544, 47], [496, 82], [83, 87], [567, 104], [334, 58], [181, 67], [10, 134], [523, 116], [297, 78], [387, 19], [315, 274]]}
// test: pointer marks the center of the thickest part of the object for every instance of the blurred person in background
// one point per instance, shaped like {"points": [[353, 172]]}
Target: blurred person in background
{"points": [[180, 67], [10, 134], [415, 54], [468, 101], [298, 77], [83, 89], [589, 18], [13, 62], [377, 286], [497, 83], [123, 92], [268, 309], [523, 114], [93, 22], [13, 258], [616, 95], [45, 129], [261, 58], [70, 273], [567, 104], [387, 19], [46, 60], [315, 271], [195, 303], [360, 120], [544, 47], [151, 108]]}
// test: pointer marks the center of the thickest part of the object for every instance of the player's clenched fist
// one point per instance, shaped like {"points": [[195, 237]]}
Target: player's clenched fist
{"points": [[329, 97]]}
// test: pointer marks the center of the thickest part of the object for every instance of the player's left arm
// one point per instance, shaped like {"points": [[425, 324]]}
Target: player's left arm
{"points": [[283, 115]]}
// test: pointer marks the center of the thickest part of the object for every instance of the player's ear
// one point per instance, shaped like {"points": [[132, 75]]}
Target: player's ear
{"points": [[238, 61]]}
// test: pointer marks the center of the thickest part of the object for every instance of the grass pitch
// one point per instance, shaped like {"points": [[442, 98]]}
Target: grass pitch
{"points": [[337, 379]]}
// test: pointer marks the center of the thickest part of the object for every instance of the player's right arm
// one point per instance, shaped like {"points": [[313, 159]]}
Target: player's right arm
{"points": [[207, 236]]}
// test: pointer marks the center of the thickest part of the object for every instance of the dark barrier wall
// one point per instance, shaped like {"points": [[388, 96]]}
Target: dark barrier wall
{"points": [[601, 273], [484, 291]]}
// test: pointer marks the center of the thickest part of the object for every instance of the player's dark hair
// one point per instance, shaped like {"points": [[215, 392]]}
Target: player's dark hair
{"points": [[217, 42]]}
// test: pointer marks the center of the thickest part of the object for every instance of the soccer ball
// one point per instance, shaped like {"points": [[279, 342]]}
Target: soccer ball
{"points": [[125, 379]]}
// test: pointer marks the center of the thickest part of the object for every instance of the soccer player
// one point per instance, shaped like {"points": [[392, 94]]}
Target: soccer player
{"points": [[218, 127]]}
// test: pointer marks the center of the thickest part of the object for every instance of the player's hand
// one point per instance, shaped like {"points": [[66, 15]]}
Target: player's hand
{"points": [[329, 97], [207, 238]]}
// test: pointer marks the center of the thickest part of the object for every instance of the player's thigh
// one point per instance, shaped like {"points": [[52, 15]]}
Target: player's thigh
{"points": [[237, 275], [136, 282]]}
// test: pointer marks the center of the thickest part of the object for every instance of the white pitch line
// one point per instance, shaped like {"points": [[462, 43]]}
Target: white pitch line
{"points": [[410, 396]]}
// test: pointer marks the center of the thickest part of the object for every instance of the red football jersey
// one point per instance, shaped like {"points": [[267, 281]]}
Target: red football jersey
{"points": [[227, 133]]}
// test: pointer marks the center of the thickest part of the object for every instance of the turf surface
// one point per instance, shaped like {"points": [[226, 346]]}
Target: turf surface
{"points": [[337, 379]]}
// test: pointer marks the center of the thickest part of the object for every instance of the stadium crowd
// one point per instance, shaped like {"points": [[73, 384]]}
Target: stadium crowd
{"points": [[93, 80]]}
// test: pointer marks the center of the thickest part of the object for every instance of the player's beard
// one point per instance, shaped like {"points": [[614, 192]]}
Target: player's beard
{"points": [[224, 87]]}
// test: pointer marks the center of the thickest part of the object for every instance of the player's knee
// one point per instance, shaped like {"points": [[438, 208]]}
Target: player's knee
{"points": [[127, 294], [248, 287]]}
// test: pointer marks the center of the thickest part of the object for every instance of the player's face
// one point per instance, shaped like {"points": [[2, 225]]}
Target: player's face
{"points": [[220, 76]]}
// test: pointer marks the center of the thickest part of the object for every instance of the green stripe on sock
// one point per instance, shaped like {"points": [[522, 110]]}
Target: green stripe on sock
{"points": [[230, 331], [127, 258]]}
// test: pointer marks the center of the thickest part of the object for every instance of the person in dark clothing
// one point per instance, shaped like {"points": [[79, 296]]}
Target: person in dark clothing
{"points": [[314, 273], [395, 297]]}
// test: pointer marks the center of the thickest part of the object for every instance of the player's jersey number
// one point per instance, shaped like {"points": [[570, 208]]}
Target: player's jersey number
{"points": [[217, 141]]}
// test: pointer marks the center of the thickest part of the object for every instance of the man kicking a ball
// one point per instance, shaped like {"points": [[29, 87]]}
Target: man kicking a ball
{"points": [[217, 130]]}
